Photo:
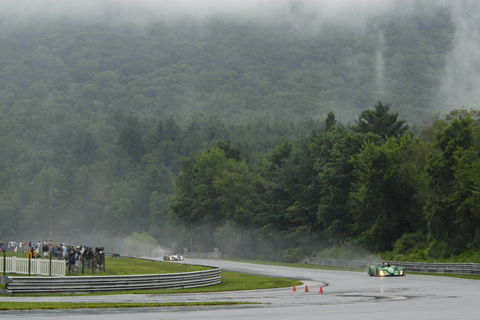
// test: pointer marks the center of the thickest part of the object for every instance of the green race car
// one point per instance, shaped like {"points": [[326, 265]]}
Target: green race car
{"points": [[385, 269]]}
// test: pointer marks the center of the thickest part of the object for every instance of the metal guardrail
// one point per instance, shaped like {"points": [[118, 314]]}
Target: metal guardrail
{"points": [[456, 268], [37, 266], [112, 283]]}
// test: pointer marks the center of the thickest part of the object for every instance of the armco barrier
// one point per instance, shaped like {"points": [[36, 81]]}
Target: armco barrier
{"points": [[203, 255], [457, 268], [112, 283]]}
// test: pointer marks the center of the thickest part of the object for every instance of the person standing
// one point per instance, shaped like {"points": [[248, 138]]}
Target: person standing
{"points": [[50, 250], [78, 253], [88, 257], [71, 261], [38, 248], [31, 253]]}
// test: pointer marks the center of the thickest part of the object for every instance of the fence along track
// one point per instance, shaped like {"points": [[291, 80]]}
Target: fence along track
{"points": [[37, 266], [113, 283], [456, 268]]}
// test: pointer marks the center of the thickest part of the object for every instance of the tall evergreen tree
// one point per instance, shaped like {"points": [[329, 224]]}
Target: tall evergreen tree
{"points": [[380, 121]]}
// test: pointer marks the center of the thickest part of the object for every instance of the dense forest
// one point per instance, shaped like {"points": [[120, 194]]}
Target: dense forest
{"points": [[370, 184], [259, 139]]}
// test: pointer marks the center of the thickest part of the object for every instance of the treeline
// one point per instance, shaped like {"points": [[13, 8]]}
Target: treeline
{"points": [[281, 189], [371, 184], [109, 176]]}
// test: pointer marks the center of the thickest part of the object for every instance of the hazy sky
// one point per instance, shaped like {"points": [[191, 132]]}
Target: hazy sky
{"points": [[145, 10]]}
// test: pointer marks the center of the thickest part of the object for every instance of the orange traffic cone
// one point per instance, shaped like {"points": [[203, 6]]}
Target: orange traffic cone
{"points": [[321, 290], [294, 289], [134, 254], [306, 288]]}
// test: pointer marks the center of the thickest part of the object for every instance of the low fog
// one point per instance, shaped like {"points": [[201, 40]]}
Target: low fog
{"points": [[462, 73]]}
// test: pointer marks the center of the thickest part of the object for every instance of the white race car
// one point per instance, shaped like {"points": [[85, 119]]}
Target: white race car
{"points": [[168, 256]]}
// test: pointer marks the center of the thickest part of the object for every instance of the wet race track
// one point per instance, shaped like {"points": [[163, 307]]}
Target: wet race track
{"points": [[346, 295]]}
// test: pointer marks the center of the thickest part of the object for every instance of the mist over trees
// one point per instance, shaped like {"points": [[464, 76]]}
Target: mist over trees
{"points": [[262, 139]]}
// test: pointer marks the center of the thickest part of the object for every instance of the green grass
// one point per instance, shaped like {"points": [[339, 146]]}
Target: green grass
{"points": [[129, 266], [71, 305], [233, 281], [15, 254]]}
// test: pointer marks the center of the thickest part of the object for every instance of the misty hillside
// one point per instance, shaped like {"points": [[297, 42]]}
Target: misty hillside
{"points": [[240, 71], [228, 126]]}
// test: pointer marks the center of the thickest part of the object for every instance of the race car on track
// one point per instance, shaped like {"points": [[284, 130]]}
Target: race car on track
{"points": [[385, 269], [168, 256]]}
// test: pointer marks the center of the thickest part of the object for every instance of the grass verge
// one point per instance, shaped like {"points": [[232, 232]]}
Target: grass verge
{"points": [[130, 266], [233, 281], [4, 306]]}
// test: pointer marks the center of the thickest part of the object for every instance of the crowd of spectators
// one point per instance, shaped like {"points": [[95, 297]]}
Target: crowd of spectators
{"points": [[74, 255]]}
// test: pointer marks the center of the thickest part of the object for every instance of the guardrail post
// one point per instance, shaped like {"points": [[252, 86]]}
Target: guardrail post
{"points": [[29, 265], [4, 263], [50, 265], [4, 280], [83, 263]]}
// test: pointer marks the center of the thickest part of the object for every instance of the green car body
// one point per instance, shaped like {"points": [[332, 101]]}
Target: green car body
{"points": [[385, 269]]}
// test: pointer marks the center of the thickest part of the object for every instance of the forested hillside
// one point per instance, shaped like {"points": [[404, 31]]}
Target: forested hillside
{"points": [[237, 71], [243, 135]]}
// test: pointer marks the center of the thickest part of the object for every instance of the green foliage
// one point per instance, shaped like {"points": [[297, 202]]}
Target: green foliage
{"points": [[212, 190], [333, 152], [382, 198], [410, 242], [452, 222], [131, 139], [380, 121], [294, 255]]}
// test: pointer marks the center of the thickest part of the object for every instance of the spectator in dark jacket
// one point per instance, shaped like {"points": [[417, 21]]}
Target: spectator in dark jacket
{"points": [[71, 261], [88, 257]]}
